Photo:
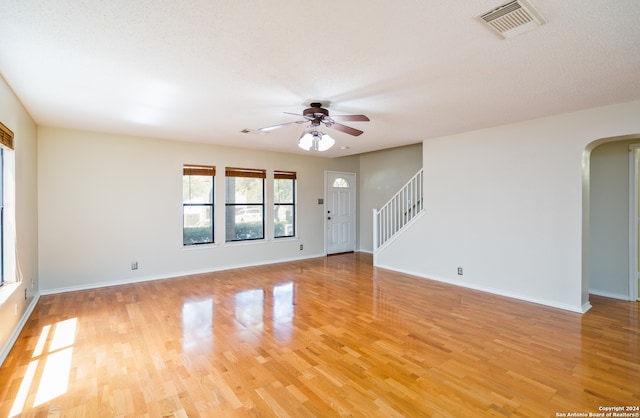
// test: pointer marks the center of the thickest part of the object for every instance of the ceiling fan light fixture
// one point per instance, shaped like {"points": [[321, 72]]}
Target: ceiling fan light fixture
{"points": [[306, 141], [319, 141], [325, 142]]}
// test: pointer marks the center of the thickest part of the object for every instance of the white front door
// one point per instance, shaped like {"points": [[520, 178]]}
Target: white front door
{"points": [[340, 236]]}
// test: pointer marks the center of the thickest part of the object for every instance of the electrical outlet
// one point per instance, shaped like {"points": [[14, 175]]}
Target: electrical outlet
{"points": [[25, 294], [16, 309], [301, 247], [459, 271], [134, 265]]}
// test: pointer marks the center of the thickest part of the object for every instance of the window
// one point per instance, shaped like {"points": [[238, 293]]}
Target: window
{"points": [[6, 142], [244, 204], [341, 183], [284, 206], [197, 204]]}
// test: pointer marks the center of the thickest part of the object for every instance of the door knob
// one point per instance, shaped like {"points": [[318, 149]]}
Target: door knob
{"points": [[329, 217]]}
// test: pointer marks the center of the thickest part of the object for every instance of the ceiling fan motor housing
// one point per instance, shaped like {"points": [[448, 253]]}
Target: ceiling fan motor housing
{"points": [[315, 111], [316, 114]]}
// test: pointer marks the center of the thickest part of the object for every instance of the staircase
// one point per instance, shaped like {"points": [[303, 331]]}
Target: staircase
{"points": [[398, 213]]}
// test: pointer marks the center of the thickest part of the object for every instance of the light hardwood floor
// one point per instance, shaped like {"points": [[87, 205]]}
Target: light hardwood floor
{"points": [[322, 337]]}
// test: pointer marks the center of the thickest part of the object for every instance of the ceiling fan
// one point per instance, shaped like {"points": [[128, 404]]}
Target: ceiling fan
{"points": [[315, 116]]}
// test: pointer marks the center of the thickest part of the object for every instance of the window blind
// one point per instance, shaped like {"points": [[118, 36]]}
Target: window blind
{"points": [[246, 172], [284, 175], [6, 136], [198, 170]]}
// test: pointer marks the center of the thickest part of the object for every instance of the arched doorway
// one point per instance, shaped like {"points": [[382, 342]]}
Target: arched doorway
{"points": [[611, 221]]}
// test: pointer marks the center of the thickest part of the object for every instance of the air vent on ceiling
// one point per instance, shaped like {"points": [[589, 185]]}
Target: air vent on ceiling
{"points": [[513, 18]]}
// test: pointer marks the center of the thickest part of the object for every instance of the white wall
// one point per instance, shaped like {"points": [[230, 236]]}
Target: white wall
{"points": [[108, 200], [609, 220], [506, 204], [16, 118], [382, 174]]}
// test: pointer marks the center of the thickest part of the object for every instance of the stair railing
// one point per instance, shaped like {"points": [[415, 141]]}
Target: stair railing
{"points": [[398, 212]]}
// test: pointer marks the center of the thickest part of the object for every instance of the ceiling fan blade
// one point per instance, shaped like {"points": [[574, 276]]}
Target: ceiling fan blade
{"points": [[346, 129], [271, 128], [309, 116], [351, 118]]}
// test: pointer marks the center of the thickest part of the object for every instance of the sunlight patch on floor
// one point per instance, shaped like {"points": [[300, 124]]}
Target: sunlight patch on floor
{"points": [[53, 370]]}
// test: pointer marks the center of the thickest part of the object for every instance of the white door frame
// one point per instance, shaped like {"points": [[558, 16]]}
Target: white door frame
{"points": [[634, 162], [326, 202]]}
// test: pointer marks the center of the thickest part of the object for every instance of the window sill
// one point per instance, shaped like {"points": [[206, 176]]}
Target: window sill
{"points": [[246, 242], [199, 246], [7, 290], [286, 239]]}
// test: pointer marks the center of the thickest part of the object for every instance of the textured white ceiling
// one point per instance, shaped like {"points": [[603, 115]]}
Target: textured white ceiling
{"points": [[203, 70]]}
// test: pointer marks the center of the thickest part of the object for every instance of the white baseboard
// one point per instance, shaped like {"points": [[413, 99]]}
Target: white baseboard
{"points": [[18, 329], [607, 294], [578, 309], [169, 275]]}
